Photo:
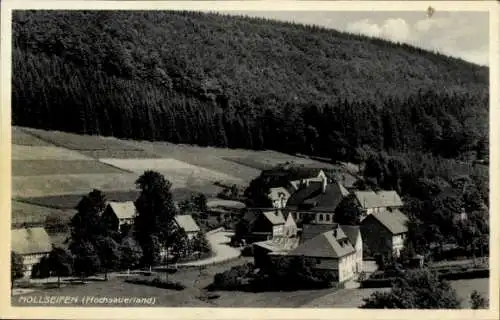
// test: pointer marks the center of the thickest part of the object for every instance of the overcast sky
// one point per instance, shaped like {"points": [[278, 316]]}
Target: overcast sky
{"points": [[460, 34]]}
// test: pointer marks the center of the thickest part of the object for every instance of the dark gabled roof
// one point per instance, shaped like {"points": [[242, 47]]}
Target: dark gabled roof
{"points": [[292, 172], [330, 244], [316, 200], [275, 217], [394, 220], [310, 231], [352, 233]]}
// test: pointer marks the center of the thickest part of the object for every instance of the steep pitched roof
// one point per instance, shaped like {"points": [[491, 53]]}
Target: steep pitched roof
{"points": [[275, 216], [279, 244], [187, 223], [394, 221], [325, 245], [123, 210], [310, 231], [352, 233], [30, 241], [318, 200], [371, 199]]}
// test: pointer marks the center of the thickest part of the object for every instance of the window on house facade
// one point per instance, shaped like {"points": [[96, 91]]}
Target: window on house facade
{"points": [[327, 217], [318, 261], [321, 217]]}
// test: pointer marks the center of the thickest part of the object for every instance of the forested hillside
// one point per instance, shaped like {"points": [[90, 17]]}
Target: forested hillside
{"points": [[216, 80]]}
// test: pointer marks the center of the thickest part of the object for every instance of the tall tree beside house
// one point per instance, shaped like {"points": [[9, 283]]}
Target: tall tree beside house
{"points": [[86, 257], [416, 289], [348, 211], [130, 253], [86, 223], [60, 261], [109, 254], [16, 267], [155, 213], [200, 243], [256, 193]]}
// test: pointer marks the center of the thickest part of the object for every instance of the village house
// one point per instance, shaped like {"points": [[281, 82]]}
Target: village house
{"points": [[384, 232], [264, 224], [329, 247], [292, 177], [280, 243], [330, 251], [318, 200], [118, 214], [371, 201], [32, 244], [187, 223]]}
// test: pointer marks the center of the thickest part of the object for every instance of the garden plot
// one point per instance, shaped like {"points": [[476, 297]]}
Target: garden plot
{"points": [[174, 170], [48, 185], [60, 167], [22, 152]]}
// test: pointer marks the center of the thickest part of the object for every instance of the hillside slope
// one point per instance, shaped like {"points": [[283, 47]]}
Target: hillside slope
{"points": [[239, 82]]}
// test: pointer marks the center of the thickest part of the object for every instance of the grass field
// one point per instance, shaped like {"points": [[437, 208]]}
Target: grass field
{"points": [[30, 213], [117, 153], [173, 169], [79, 142], [20, 137], [39, 186], [45, 153], [69, 201], [24, 168], [209, 158]]}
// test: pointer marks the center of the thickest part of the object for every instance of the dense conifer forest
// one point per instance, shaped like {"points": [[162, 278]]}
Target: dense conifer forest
{"points": [[211, 79]]}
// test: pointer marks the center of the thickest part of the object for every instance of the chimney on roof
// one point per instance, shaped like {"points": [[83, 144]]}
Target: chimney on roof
{"points": [[335, 233], [323, 185]]}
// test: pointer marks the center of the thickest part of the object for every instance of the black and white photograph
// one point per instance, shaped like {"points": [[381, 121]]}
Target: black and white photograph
{"points": [[248, 157]]}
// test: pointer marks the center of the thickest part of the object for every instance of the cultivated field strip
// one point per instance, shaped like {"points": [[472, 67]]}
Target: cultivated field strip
{"points": [[206, 157], [30, 213], [60, 167], [20, 137], [63, 184], [20, 152], [79, 142], [69, 201], [172, 168], [57, 184]]}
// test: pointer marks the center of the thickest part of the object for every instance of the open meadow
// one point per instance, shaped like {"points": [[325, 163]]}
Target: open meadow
{"points": [[30, 213]]}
